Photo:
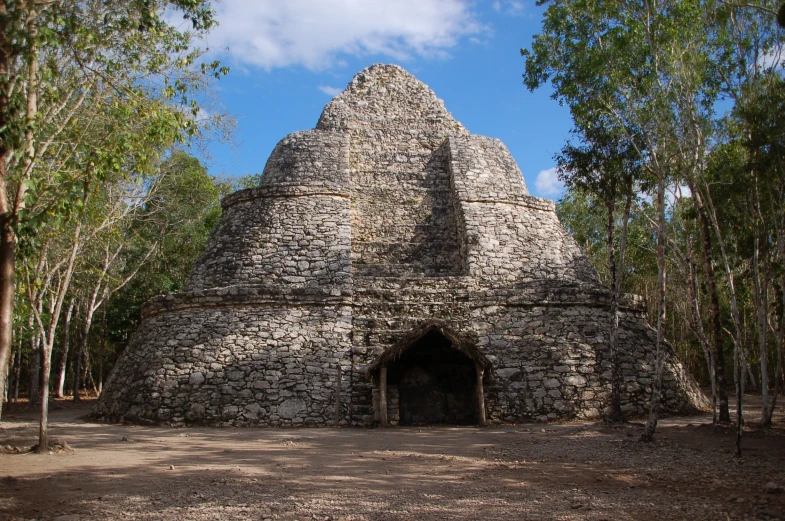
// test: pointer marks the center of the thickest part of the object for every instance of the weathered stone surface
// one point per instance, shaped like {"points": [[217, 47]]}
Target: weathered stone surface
{"points": [[389, 214]]}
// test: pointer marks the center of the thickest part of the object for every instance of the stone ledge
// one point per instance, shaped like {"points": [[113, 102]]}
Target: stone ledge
{"points": [[433, 290], [391, 292], [526, 201], [284, 190], [252, 295]]}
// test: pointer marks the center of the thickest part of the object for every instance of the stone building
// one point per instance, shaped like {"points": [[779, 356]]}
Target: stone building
{"points": [[390, 267]]}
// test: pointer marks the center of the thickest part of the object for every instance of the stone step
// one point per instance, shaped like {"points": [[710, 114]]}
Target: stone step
{"points": [[397, 270], [400, 180], [413, 232], [431, 253]]}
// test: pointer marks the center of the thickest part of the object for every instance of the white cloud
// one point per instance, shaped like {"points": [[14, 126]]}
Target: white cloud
{"points": [[672, 193], [771, 59], [510, 7], [315, 33], [330, 91], [203, 114], [547, 182]]}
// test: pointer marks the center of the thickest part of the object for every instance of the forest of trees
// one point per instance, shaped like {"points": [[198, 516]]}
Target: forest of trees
{"points": [[100, 208], [675, 175]]}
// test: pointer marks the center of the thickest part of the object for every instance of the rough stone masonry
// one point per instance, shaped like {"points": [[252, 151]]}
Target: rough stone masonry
{"points": [[390, 268]]}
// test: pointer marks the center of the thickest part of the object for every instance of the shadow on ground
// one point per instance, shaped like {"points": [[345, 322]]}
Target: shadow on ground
{"points": [[532, 471]]}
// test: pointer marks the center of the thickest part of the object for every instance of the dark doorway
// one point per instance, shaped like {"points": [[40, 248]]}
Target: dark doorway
{"points": [[436, 383]]}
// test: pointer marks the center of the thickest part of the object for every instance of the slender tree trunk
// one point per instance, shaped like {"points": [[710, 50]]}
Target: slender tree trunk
{"points": [[49, 340], [7, 255], [81, 355], [78, 370], [43, 425], [738, 366], [779, 374], [88, 371], [656, 394], [697, 321], [754, 382], [12, 377], [35, 369], [716, 319], [7, 249], [616, 415], [778, 385], [761, 308], [4, 396], [18, 374], [7, 214], [66, 344]]}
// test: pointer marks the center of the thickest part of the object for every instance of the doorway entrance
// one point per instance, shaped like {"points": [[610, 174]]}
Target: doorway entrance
{"points": [[436, 383], [433, 376]]}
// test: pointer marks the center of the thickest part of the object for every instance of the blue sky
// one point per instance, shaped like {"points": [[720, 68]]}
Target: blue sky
{"points": [[289, 57]]}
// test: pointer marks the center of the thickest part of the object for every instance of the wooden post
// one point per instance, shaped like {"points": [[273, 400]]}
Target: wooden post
{"points": [[338, 397], [480, 396], [383, 396]]}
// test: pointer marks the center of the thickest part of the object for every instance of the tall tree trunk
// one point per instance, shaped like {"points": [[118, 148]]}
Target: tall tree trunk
{"points": [[89, 373], [656, 394], [18, 372], [13, 372], [81, 355], [43, 424], [738, 345], [35, 369], [7, 252], [7, 214], [761, 308], [9, 370], [66, 344], [616, 415], [697, 321], [738, 366], [779, 374], [716, 319], [49, 340]]}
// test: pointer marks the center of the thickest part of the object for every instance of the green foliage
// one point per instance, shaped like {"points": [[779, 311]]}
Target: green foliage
{"points": [[179, 218], [643, 81], [115, 87], [585, 217]]}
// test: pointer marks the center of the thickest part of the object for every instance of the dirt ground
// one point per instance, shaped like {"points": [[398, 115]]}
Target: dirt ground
{"points": [[531, 471]]}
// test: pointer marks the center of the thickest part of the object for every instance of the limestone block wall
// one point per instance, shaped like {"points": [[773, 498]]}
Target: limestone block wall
{"points": [[506, 234], [404, 223], [402, 216], [483, 168], [547, 343], [309, 158], [272, 362], [294, 229], [300, 239], [553, 362]]}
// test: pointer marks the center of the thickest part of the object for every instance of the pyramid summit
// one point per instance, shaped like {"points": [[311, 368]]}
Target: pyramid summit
{"points": [[390, 268]]}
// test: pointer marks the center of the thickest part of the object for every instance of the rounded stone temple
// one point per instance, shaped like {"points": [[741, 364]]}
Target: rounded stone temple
{"points": [[390, 268]]}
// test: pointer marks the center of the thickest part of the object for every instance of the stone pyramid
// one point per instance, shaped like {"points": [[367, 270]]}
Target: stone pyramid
{"points": [[390, 268]]}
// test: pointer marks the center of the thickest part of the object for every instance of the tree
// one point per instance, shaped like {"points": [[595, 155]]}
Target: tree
{"points": [[639, 70], [606, 166], [180, 217], [651, 72], [123, 56]]}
